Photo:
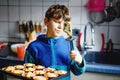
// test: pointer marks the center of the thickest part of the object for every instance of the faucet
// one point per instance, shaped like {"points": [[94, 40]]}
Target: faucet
{"points": [[85, 45]]}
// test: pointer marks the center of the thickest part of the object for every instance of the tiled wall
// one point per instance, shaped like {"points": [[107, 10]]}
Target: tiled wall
{"points": [[12, 11]]}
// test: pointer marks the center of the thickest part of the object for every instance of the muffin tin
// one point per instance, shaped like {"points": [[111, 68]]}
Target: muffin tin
{"points": [[30, 71]]}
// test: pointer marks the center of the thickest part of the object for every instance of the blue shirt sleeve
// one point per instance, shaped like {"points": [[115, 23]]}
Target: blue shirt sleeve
{"points": [[28, 58], [76, 68]]}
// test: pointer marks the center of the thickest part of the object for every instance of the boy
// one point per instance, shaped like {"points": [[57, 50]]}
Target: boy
{"points": [[52, 49]]}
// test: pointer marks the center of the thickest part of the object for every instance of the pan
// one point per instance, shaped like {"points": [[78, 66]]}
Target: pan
{"points": [[117, 8], [109, 14]]}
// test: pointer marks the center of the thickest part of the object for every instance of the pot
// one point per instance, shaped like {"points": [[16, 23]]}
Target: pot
{"points": [[117, 9], [109, 14], [96, 17]]}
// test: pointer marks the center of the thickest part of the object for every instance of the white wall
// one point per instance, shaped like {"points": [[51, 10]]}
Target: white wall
{"points": [[12, 11]]}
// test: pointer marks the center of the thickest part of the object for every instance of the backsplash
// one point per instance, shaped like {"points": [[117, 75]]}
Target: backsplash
{"points": [[13, 11]]}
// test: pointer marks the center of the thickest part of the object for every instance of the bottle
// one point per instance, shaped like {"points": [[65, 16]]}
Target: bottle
{"points": [[110, 46]]}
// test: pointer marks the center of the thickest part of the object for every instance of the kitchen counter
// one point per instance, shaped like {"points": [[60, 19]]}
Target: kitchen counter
{"points": [[90, 66], [9, 60], [103, 68], [103, 62]]}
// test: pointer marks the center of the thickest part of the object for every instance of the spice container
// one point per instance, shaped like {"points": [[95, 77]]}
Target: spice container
{"points": [[109, 46]]}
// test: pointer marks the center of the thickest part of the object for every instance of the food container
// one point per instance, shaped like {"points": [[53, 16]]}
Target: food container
{"points": [[19, 71]]}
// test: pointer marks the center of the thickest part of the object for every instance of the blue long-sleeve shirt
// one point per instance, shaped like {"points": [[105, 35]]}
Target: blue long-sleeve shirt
{"points": [[53, 52]]}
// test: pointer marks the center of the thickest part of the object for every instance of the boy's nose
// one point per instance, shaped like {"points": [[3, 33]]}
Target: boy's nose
{"points": [[60, 26]]}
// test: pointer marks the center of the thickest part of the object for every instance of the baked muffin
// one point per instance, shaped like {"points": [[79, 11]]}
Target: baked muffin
{"points": [[9, 68], [40, 78], [19, 67], [51, 75], [30, 69], [27, 65], [40, 72], [39, 67], [18, 72], [28, 75]]}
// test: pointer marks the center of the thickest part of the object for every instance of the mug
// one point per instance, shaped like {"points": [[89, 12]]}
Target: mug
{"points": [[20, 52]]}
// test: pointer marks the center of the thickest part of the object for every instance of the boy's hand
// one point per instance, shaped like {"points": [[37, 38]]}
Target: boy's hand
{"points": [[75, 55]]}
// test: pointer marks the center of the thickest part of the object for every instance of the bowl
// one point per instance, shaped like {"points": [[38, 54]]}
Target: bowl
{"points": [[14, 47]]}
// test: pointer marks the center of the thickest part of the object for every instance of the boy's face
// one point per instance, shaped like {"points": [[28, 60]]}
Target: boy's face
{"points": [[54, 27]]}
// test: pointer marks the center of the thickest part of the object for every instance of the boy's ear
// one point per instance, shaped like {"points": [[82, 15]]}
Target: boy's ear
{"points": [[45, 20]]}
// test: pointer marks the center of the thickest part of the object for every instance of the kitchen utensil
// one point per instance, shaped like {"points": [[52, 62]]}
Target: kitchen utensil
{"points": [[36, 27], [79, 41], [13, 47], [96, 5], [71, 42], [25, 27], [40, 27], [97, 17], [109, 14], [103, 41], [31, 26], [116, 6], [21, 51], [68, 30]]}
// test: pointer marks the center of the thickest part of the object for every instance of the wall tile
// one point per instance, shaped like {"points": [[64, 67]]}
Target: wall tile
{"points": [[75, 26], [13, 29], [3, 13], [13, 13], [25, 2], [61, 0], [84, 2], [49, 0], [14, 2], [45, 9], [4, 39], [113, 34], [4, 29], [37, 13], [102, 29], [63, 3], [14, 34], [36, 2], [48, 3], [75, 15], [116, 46], [3, 2], [116, 22], [84, 15], [25, 13], [75, 2]]}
